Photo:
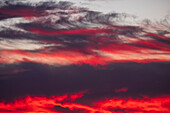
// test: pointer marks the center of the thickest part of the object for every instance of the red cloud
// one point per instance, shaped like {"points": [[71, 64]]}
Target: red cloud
{"points": [[91, 31], [114, 105], [77, 95], [104, 54], [152, 105], [121, 90]]}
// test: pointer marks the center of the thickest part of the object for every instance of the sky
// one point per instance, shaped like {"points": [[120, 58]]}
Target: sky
{"points": [[143, 9], [91, 56]]}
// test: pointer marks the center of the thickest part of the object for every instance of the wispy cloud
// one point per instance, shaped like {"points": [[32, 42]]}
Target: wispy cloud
{"points": [[22, 44], [62, 34]]}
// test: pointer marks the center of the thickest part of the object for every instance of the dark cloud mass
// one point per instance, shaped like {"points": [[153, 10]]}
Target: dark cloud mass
{"points": [[56, 57]]}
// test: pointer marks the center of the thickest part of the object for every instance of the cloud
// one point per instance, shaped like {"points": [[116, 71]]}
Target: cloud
{"points": [[22, 44], [121, 90], [113, 105], [9, 24], [62, 34], [156, 104]]}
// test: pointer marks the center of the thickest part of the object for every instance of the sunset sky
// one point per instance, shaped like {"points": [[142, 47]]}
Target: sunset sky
{"points": [[84, 56]]}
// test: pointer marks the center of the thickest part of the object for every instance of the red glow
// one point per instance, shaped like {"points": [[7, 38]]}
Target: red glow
{"points": [[20, 70], [114, 105], [121, 90], [76, 31], [77, 95]]}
